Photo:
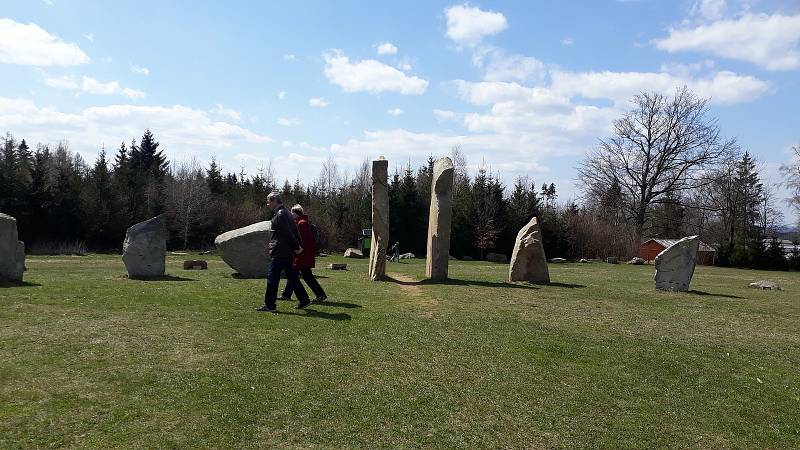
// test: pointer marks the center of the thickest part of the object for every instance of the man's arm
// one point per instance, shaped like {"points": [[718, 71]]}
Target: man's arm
{"points": [[290, 231]]}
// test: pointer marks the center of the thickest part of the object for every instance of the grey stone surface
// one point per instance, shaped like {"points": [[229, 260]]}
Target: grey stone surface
{"points": [[407, 256], [675, 265], [12, 250], [612, 260], [498, 258], [380, 219], [585, 261], [528, 261], [337, 266], [353, 253], [636, 261], [552, 260], [246, 249], [766, 285], [440, 220], [145, 248]]}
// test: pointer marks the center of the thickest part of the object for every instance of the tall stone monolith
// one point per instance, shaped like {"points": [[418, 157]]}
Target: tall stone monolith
{"points": [[145, 248], [12, 250], [380, 218], [441, 216], [675, 265], [528, 261]]}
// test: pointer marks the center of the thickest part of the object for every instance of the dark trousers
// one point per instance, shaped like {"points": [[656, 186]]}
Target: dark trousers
{"points": [[310, 280], [276, 266]]}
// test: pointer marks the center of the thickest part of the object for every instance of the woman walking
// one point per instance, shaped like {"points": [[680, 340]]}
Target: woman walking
{"points": [[306, 260]]}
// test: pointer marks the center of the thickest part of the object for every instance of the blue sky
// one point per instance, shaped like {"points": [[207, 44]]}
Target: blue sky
{"points": [[525, 88]]}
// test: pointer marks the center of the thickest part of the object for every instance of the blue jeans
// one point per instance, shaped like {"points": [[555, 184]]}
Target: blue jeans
{"points": [[276, 266]]}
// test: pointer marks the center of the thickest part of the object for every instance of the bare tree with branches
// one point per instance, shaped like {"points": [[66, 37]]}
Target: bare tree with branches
{"points": [[662, 147], [188, 195], [791, 173]]}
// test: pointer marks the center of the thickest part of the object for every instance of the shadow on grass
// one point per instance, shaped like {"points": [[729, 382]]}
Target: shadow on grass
{"points": [[333, 303], [163, 278], [457, 282], [703, 293], [11, 284], [316, 314]]}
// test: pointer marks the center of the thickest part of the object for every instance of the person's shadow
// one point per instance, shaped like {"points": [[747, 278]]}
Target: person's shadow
{"points": [[12, 284], [317, 314]]}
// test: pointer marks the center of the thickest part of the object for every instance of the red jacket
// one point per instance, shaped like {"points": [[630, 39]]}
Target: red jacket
{"points": [[305, 260]]}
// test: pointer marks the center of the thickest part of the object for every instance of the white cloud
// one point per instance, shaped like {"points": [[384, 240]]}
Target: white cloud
{"points": [[770, 41], [134, 94], [499, 66], [370, 76], [468, 25], [567, 41], [443, 114], [48, 2], [89, 37], [180, 129], [386, 48], [230, 113], [31, 45], [395, 112], [723, 87], [141, 70], [288, 122], [317, 102], [91, 85], [290, 57], [281, 95], [710, 9]]}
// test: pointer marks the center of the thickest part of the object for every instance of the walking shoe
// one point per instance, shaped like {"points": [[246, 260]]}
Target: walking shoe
{"points": [[321, 299], [266, 308], [303, 304]]}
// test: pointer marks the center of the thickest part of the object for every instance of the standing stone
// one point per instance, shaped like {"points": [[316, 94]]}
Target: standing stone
{"points": [[12, 250], [246, 249], [380, 219], [441, 216], [528, 261], [675, 265], [145, 248]]}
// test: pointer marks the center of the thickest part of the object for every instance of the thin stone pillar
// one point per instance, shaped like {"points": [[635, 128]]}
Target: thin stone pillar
{"points": [[380, 219], [441, 217]]}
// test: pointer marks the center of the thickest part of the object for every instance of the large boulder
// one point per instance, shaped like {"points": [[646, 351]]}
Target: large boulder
{"points": [[636, 261], [12, 250], [675, 265], [144, 251], [497, 258], [528, 261], [246, 249]]}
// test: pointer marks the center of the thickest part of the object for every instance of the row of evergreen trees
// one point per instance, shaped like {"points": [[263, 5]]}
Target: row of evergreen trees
{"points": [[57, 197]]}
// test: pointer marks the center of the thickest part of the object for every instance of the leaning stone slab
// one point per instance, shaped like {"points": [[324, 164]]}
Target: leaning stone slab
{"points": [[353, 253], [675, 265], [440, 220], [12, 250], [246, 249], [380, 219], [528, 261], [145, 248]]}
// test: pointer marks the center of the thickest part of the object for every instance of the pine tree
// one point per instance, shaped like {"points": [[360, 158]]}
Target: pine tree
{"points": [[214, 178]]}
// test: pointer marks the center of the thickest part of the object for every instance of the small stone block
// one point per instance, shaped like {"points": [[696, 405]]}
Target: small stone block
{"points": [[195, 264]]}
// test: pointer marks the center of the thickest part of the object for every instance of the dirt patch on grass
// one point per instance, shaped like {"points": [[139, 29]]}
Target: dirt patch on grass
{"points": [[410, 286]]}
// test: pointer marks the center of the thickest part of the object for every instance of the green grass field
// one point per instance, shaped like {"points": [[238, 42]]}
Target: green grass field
{"points": [[597, 359]]}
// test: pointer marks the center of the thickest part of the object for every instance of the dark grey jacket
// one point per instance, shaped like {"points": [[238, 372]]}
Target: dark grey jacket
{"points": [[285, 237]]}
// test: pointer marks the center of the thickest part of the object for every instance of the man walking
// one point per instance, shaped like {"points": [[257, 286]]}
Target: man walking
{"points": [[284, 245]]}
